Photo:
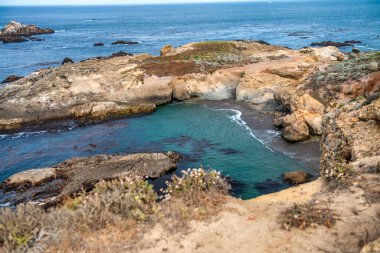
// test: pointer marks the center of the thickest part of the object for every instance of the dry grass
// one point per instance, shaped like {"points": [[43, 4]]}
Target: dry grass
{"points": [[127, 207], [307, 215]]}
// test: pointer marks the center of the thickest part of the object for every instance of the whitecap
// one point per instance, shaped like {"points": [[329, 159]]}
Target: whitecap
{"points": [[237, 119], [25, 134]]}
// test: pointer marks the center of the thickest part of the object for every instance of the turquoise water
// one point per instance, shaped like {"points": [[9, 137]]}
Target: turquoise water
{"points": [[212, 138], [289, 23]]}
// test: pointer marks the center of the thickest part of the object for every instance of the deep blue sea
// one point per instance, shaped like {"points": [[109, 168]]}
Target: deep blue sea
{"points": [[289, 23]]}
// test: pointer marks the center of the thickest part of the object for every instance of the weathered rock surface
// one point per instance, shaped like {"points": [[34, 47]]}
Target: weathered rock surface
{"points": [[16, 32], [304, 115], [351, 138], [123, 84], [51, 185], [372, 247]]}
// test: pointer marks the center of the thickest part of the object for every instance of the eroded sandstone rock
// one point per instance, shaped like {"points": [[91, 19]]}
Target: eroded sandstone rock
{"points": [[49, 186]]}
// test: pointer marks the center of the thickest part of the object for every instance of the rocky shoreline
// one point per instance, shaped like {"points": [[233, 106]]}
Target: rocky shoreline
{"points": [[309, 92]]}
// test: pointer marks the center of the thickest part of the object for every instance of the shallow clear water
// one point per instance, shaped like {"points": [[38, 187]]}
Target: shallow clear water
{"points": [[290, 23], [213, 138]]}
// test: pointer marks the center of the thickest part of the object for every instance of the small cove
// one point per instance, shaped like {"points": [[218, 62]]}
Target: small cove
{"points": [[207, 136]]}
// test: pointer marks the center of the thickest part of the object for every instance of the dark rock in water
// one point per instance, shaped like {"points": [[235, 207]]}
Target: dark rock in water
{"points": [[331, 43], [296, 177], [353, 41], [356, 50], [49, 186], [269, 186], [262, 42], [35, 39], [124, 42], [12, 39], [118, 54], [67, 60], [15, 32], [99, 44], [11, 78]]}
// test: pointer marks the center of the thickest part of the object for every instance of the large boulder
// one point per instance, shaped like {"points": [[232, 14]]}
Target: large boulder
{"points": [[49, 186], [303, 115]]}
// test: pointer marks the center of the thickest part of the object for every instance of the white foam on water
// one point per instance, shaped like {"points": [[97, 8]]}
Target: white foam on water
{"points": [[237, 119], [5, 204], [25, 134]]}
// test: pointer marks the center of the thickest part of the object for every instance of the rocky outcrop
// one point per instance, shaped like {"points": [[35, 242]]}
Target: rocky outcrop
{"points": [[303, 115], [331, 43], [123, 84], [166, 50], [351, 138], [17, 32], [49, 186], [98, 44]]}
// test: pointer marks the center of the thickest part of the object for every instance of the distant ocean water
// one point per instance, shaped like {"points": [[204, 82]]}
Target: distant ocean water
{"points": [[294, 24]]}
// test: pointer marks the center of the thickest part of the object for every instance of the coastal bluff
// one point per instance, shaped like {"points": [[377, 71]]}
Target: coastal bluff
{"points": [[107, 87], [311, 93]]}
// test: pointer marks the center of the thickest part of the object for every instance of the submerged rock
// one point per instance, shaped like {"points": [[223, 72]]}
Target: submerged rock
{"points": [[12, 39], [124, 42], [296, 177], [49, 186], [99, 44]]}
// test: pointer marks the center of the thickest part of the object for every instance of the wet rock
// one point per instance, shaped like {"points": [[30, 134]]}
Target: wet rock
{"points": [[296, 177], [99, 44], [15, 32], [17, 29], [119, 54], [12, 39], [124, 42], [166, 49], [67, 60], [356, 50], [353, 41], [48, 186], [11, 78], [331, 43]]}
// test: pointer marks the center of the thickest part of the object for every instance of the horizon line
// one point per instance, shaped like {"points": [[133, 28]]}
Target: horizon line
{"points": [[161, 3]]}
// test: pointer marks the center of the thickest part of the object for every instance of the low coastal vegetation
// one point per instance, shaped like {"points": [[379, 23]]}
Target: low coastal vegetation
{"points": [[126, 205], [307, 215]]}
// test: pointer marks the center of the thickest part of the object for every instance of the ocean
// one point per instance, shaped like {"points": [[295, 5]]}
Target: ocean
{"points": [[294, 24]]}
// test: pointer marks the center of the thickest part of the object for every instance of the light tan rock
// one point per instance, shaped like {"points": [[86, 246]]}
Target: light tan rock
{"points": [[166, 49]]}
